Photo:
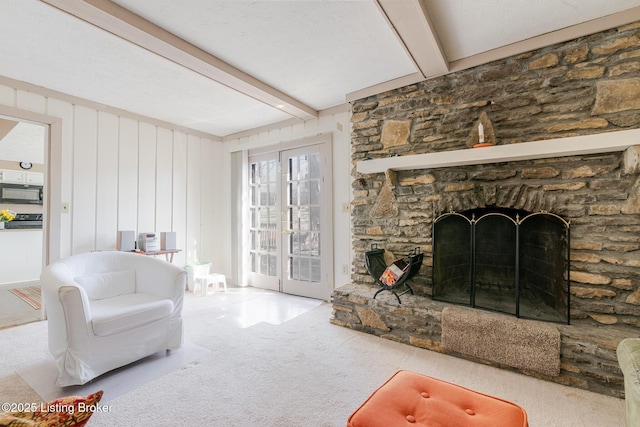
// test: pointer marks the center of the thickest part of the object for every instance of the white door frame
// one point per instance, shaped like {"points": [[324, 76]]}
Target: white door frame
{"points": [[52, 203]]}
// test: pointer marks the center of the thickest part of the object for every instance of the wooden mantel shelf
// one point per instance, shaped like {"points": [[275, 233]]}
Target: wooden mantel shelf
{"points": [[560, 147]]}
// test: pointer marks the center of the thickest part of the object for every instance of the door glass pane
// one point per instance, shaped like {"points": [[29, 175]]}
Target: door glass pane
{"points": [[304, 220], [293, 169], [273, 265], [294, 268], [304, 168], [303, 217], [315, 244], [305, 249], [293, 193], [315, 218], [304, 192], [293, 217], [314, 192], [305, 273], [263, 217], [315, 270], [254, 240], [314, 167], [264, 173], [294, 244]]}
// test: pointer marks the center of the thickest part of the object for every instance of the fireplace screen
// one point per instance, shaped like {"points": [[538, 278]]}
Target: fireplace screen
{"points": [[505, 260]]}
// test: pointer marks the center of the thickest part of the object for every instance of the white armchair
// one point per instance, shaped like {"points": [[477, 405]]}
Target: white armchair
{"points": [[108, 309]]}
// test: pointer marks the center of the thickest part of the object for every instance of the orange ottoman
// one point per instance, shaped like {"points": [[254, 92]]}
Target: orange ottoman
{"points": [[411, 399]]}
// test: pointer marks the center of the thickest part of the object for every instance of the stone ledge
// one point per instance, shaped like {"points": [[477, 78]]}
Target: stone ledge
{"points": [[587, 351]]}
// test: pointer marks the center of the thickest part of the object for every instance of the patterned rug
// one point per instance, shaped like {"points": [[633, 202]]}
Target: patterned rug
{"points": [[30, 295]]}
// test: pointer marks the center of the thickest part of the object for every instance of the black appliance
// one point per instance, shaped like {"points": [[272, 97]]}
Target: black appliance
{"points": [[25, 220], [20, 194]]}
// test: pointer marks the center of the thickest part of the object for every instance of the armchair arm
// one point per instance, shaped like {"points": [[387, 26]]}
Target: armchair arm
{"points": [[53, 279], [67, 305], [628, 353], [158, 277]]}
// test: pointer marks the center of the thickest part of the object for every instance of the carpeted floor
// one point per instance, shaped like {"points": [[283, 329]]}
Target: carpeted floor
{"points": [[297, 371]]}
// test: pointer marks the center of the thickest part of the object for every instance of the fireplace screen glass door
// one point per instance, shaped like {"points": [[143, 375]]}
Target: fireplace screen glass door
{"points": [[290, 217]]}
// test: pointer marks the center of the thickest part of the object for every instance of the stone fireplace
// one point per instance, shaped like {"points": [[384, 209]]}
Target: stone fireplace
{"points": [[505, 260], [573, 91]]}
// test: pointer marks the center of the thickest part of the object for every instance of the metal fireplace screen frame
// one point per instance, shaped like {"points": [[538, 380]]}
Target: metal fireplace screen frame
{"points": [[506, 260]]}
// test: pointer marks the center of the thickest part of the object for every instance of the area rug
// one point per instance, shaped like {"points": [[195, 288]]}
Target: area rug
{"points": [[31, 295], [41, 377]]}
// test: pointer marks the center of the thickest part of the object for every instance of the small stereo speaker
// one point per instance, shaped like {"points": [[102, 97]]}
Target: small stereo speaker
{"points": [[168, 240], [126, 240]]}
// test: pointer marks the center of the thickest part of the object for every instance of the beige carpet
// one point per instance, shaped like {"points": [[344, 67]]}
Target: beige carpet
{"points": [[303, 372], [41, 376]]}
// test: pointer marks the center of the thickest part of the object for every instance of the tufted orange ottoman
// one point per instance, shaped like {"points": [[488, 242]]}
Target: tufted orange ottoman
{"points": [[411, 399]]}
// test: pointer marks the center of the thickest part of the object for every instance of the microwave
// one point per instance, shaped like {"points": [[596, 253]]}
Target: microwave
{"points": [[20, 194]]}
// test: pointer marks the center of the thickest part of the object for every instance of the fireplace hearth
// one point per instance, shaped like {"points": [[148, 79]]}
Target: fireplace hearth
{"points": [[504, 260]]}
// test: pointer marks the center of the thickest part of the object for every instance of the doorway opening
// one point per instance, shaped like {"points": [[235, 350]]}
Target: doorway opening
{"points": [[23, 165], [290, 221]]}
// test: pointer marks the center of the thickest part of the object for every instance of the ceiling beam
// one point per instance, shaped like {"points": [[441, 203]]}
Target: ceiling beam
{"points": [[411, 23], [412, 26], [127, 25]]}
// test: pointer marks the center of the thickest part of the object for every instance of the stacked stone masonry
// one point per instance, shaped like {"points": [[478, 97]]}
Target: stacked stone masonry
{"points": [[585, 86], [588, 356]]}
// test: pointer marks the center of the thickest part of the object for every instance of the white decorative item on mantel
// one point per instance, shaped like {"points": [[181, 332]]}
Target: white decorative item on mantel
{"points": [[559, 147]]}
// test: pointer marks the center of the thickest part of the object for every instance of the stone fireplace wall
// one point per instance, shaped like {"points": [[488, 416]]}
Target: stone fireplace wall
{"points": [[585, 86], [590, 85]]}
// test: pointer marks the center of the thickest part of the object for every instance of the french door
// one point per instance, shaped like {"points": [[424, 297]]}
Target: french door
{"points": [[290, 248]]}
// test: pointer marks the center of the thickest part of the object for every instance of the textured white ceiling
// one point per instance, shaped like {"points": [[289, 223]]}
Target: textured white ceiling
{"points": [[469, 27], [24, 143], [313, 51]]}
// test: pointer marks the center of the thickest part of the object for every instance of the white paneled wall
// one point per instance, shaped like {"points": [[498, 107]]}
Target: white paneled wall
{"points": [[107, 180], [85, 177], [337, 124], [120, 172]]}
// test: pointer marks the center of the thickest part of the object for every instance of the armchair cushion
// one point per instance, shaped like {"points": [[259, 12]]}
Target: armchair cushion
{"points": [[108, 285], [120, 313]]}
